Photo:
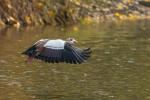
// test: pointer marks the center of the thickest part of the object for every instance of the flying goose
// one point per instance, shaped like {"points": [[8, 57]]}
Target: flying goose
{"points": [[55, 51]]}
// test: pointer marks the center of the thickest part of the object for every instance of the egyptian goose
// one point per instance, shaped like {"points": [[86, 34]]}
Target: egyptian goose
{"points": [[55, 51]]}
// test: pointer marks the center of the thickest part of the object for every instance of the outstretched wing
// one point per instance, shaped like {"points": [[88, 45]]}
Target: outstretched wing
{"points": [[75, 55], [68, 54], [50, 55]]}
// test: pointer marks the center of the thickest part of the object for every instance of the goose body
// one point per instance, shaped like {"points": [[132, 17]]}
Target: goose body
{"points": [[56, 51]]}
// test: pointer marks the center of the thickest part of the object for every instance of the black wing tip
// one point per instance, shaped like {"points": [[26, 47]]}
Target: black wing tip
{"points": [[88, 50], [29, 51], [86, 54]]}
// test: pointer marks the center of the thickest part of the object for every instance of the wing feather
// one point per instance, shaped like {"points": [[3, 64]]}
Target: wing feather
{"points": [[68, 54], [76, 55], [85, 53], [79, 54]]}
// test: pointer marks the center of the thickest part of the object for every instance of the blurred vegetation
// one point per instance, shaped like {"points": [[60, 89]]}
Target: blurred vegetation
{"points": [[66, 12]]}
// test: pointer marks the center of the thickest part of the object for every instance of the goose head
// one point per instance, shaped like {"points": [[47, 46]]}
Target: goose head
{"points": [[71, 40]]}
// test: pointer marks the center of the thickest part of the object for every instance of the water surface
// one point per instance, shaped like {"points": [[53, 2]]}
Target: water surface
{"points": [[119, 68]]}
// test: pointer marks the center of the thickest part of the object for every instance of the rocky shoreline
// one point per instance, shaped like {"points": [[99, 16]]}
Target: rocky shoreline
{"points": [[21, 13]]}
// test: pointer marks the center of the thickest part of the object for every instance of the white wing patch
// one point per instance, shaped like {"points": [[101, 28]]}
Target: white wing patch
{"points": [[55, 44]]}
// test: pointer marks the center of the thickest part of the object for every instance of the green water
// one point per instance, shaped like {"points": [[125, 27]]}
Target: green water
{"points": [[119, 68]]}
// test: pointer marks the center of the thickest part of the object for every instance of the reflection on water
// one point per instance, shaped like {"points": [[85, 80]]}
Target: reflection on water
{"points": [[118, 69]]}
